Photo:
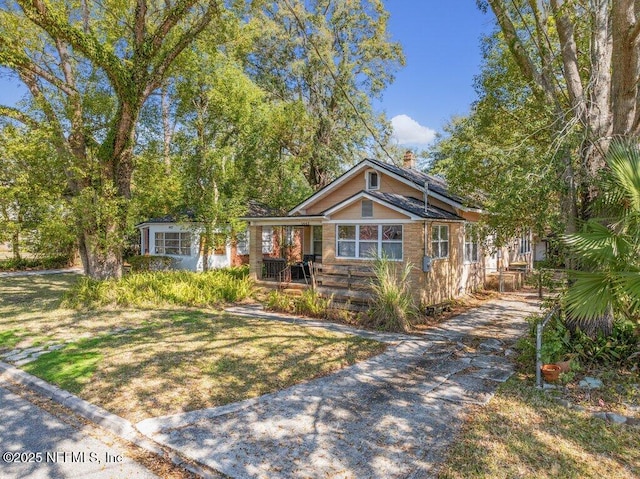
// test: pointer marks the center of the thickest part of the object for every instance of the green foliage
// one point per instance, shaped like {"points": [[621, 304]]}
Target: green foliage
{"points": [[503, 155], [278, 301], [310, 303], [151, 263], [21, 264], [182, 288], [608, 247], [542, 278], [556, 341], [621, 347], [331, 58], [33, 215], [392, 307]]}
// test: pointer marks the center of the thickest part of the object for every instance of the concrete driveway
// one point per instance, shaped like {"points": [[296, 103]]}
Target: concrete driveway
{"points": [[391, 416], [34, 444]]}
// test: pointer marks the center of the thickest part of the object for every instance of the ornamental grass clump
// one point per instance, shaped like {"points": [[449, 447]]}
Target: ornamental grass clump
{"points": [[392, 307], [182, 288]]}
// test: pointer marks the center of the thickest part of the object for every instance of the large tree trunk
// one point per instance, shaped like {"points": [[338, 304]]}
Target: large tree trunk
{"points": [[100, 262], [102, 226]]}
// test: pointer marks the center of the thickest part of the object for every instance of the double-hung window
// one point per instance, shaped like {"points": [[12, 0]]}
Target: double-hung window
{"points": [[242, 243], [525, 242], [173, 243], [267, 240], [440, 241], [367, 241], [317, 240], [470, 244]]}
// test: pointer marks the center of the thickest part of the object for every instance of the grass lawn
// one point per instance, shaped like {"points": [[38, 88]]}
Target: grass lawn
{"points": [[523, 433], [140, 363]]}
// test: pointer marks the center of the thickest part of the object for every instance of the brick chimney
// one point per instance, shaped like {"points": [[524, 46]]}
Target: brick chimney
{"points": [[409, 161]]}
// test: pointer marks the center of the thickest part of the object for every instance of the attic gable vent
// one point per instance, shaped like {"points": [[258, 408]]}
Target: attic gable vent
{"points": [[367, 209]]}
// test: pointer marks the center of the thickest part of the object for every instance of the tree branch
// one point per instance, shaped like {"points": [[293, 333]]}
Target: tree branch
{"points": [[527, 67], [171, 20], [11, 57], [167, 59], [85, 42], [569, 51], [15, 114], [139, 26]]}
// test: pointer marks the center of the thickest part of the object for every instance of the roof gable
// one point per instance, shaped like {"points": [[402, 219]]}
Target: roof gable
{"points": [[413, 208], [415, 179]]}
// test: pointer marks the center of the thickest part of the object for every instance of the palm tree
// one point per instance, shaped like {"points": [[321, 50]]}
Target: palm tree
{"points": [[608, 249]]}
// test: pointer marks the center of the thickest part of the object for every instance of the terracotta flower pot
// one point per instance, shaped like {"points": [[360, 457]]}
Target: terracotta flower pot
{"points": [[551, 372]]}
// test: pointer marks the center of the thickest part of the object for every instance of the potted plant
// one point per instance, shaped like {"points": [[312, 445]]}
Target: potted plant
{"points": [[550, 372]]}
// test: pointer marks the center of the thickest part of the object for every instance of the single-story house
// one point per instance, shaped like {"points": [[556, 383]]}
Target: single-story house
{"points": [[379, 208], [179, 237], [181, 240]]}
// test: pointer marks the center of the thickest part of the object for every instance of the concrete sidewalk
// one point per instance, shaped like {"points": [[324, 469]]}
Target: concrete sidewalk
{"points": [[391, 416], [38, 445]]}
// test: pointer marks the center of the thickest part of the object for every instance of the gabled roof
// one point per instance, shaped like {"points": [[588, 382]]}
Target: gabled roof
{"points": [[435, 183], [437, 186], [413, 207]]}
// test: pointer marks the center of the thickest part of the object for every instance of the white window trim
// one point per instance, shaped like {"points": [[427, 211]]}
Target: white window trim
{"points": [[242, 243], [267, 240], [313, 240], [440, 241], [524, 243], [367, 177], [156, 243], [357, 241], [468, 229]]}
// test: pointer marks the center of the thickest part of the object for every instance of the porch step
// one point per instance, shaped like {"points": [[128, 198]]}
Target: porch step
{"points": [[511, 280]]}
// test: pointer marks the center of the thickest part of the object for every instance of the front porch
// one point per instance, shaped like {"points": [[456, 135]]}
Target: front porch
{"points": [[286, 251]]}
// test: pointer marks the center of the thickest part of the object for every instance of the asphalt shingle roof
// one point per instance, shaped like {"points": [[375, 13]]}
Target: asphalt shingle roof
{"points": [[414, 206], [436, 184]]}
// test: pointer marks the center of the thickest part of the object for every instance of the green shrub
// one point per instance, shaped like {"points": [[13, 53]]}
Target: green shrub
{"points": [[151, 263], [310, 303], [184, 288], [556, 341], [621, 347], [52, 262], [277, 301], [392, 306]]}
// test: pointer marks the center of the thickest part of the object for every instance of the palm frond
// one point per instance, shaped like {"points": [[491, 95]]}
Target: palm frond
{"points": [[590, 295], [598, 244]]}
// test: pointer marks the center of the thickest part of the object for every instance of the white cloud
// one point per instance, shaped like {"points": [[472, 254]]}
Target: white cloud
{"points": [[408, 131]]}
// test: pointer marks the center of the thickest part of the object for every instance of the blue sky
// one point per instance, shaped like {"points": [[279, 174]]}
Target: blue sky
{"points": [[441, 42]]}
